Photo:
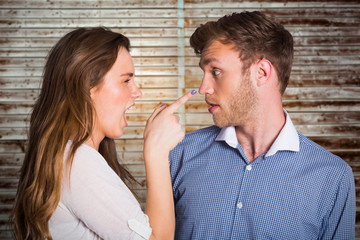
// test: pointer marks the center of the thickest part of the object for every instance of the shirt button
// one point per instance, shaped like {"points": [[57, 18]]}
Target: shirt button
{"points": [[239, 205], [248, 167]]}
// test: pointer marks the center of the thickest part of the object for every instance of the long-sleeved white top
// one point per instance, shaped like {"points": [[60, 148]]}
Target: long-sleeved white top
{"points": [[96, 204]]}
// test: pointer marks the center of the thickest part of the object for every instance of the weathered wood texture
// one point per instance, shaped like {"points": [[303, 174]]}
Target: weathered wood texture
{"points": [[323, 97]]}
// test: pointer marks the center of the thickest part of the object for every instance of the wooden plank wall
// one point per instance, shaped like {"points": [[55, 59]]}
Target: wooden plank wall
{"points": [[322, 98]]}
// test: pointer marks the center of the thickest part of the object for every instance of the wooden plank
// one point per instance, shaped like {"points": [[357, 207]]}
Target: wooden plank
{"points": [[42, 53], [131, 157], [349, 130], [293, 21], [313, 93], [155, 61], [8, 121], [129, 145], [24, 95], [351, 156], [277, 12], [16, 107], [48, 42], [58, 33], [10, 163], [345, 80], [15, 63], [323, 105], [90, 14], [338, 143], [16, 133], [355, 166], [87, 4], [71, 23], [9, 172], [19, 95], [249, 5], [13, 146], [139, 70]]}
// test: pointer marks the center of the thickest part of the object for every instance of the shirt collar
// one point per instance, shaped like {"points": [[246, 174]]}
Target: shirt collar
{"points": [[228, 135], [287, 140]]}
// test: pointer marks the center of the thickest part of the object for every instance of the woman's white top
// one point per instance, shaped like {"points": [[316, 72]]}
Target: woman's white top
{"points": [[96, 204]]}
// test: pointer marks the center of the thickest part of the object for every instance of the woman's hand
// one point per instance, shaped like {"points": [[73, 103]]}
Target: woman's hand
{"points": [[163, 130]]}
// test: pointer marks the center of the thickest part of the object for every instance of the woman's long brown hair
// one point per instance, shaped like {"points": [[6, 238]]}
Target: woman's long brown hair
{"points": [[63, 110]]}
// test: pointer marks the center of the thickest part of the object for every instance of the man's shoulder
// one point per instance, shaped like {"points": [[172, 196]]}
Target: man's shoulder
{"points": [[203, 132], [198, 139], [319, 153]]}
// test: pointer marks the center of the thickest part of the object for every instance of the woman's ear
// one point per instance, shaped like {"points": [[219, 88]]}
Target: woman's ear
{"points": [[263, 71], [93, 92]]}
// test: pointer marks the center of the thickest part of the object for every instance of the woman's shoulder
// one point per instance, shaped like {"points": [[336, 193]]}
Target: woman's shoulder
{"points": [[85, 154], [88, 163]]}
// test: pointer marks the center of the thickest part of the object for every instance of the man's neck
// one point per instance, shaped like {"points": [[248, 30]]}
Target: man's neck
{"points": [[259, 134]]}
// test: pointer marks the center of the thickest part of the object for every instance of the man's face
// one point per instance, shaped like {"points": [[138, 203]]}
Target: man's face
{"points": [[230, 92]]}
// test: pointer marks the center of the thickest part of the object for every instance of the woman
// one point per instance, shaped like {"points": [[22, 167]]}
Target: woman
{"points": [[71, 184]]}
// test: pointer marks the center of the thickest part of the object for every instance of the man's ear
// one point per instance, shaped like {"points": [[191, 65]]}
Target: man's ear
{"points": [[263, 71]]}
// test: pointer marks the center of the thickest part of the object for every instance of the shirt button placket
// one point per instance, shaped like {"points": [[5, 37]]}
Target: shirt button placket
{"points": [[240, 205]]}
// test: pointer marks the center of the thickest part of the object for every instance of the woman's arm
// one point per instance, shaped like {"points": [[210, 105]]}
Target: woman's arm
{"points": [[162, 133]]}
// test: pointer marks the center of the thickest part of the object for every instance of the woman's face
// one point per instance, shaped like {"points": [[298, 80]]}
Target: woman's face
{"points": [[113, 97]]}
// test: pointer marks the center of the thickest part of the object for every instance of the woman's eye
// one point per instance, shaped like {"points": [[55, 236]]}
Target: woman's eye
{"points": [[127, 81]]}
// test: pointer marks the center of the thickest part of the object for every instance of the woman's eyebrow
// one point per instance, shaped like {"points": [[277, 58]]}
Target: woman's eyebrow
{"points": [[127, 74]]}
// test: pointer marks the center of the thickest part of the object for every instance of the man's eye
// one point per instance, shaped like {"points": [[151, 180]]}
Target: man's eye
{"points": [[127, 81], [216, 72]]}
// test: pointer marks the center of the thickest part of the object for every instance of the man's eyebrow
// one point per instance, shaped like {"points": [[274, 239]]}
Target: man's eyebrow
{"points": [[206, 61], [127, 74]]}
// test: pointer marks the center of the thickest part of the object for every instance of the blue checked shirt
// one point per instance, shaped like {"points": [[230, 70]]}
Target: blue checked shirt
{"points": [[296, 190]]}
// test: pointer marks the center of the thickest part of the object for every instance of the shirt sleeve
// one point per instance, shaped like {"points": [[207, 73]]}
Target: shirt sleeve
{"points": [[100, 199], [341, 222]]}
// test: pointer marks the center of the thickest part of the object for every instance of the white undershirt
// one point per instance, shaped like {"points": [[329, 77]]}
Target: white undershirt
{"points": [[97, 204]]}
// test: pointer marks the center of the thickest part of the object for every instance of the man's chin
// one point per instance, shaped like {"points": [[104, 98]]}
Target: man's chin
{"points": [[221, 123]]}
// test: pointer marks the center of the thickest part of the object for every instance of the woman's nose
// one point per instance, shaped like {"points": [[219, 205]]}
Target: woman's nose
{"points": [[136, 92]]}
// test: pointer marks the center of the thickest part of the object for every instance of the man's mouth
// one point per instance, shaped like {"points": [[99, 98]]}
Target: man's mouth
{"points": [[213, 106]]}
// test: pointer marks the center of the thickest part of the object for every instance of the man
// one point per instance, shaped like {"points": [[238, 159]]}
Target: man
{"points": [[253, 176]]}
